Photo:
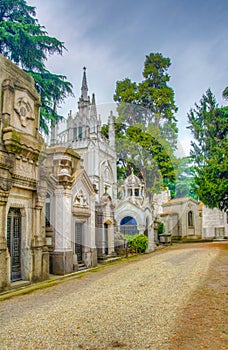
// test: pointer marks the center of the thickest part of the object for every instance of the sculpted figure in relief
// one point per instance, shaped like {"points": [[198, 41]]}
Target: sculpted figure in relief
{"points": [[80, 199]]}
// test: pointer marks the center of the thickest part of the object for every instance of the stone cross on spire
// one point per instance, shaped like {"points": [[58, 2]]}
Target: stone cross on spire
{"points": [[84, 89]]}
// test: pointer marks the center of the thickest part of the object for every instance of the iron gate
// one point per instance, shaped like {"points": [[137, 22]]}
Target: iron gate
{"points": [[106, 238], [14, 242], [78, 240]]}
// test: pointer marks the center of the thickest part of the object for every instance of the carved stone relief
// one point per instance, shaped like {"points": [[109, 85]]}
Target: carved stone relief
{"points": [[80, 199], [24, 110]]}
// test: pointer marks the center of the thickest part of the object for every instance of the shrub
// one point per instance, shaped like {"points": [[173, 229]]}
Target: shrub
{"points": [[161, 228], [130, 238], [141, 242]]}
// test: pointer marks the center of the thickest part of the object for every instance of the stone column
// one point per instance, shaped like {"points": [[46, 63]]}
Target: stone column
{"points": [[4, 254], [40, 251]]}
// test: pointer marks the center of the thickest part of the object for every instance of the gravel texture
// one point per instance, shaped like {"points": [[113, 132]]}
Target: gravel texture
{"points": [[132, 305]]}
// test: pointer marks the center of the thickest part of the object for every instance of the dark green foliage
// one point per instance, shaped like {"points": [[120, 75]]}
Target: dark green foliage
{"points": [[24, 41], [209, 127], [161, 228], [147, 131], [53, 89], [225, 93], [150, 102], [157, 166], [141, 242], [185, 178]]}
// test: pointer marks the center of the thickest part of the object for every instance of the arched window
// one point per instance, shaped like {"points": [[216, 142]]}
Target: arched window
{"points": [[128, 225], [80, 132], [190, 219]]}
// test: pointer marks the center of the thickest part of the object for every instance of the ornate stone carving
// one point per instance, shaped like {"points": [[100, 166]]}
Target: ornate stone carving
{"points": [[5, 183], [80, 200], [24, 110]]}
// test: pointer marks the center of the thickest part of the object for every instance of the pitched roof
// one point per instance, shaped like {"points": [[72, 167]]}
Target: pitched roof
{"points": [[179, 200]]}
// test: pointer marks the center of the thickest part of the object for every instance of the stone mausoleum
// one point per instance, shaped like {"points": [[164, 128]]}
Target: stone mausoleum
{"points": [[82, 134], [23, 250], [59, 210]]}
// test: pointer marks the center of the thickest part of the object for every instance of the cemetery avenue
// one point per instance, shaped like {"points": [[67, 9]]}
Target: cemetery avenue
{"points": [[144, 303]]}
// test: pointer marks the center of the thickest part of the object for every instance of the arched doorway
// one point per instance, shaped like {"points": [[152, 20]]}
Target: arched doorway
{"points": [[128, 225], [14, 242]]}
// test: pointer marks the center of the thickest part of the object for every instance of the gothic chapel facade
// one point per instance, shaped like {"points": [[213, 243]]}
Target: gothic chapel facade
{"points": [[88, 214]]}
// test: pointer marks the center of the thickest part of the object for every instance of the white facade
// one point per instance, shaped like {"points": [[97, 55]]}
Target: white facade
{"points": [[70, 212], [133, 213], [83, 134], [185, 218], [214, 223], [98, 159]]}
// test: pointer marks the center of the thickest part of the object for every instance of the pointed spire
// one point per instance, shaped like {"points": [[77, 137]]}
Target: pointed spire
{"points": [[54, 134], [111, 128], [84, 89], [54, 129], [93, 112]]}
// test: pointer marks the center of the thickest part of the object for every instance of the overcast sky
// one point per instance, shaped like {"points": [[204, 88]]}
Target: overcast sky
{"points": [[112, 37]]}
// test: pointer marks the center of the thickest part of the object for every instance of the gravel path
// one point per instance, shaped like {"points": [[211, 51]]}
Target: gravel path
{"points": [[130, 306]]}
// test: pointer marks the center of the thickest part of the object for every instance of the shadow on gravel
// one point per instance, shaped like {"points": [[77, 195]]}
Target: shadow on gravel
{"points": [[203, 323]]}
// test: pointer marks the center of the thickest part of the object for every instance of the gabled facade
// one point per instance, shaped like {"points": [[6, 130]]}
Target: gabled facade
{"points": [[133, 213], [182, 218], [98, 158], [70, 212], [185, 218], [23, 250], [83, 134]]}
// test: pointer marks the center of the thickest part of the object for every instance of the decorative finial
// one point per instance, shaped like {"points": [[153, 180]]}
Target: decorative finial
{"points": [[93, 99], [84, 88]]}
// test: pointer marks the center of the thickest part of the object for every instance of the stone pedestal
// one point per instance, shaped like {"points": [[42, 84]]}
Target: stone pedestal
{"points": [[62, 262]]}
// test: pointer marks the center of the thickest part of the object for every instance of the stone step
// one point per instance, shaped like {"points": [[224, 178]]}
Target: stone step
{"points": [[20, 284], [109, 259], [81, 267]]}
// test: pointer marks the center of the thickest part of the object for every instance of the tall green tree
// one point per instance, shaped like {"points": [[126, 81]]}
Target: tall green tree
{"points": [[184, 178], [150, 102], [24, 41], [208, 124], [146, 136]]}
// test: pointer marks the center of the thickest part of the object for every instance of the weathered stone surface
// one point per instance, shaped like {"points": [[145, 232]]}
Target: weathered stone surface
{"points": [[22, 240]]}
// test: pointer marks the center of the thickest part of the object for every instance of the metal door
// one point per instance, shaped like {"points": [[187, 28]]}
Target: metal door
{"points": [[78, 240], [106, 238], [14, 242]]}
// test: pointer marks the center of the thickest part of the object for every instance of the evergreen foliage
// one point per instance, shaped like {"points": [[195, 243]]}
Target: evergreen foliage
{"points": [[185, 178], [208, 124], [150, 102], [225, 93], [161, 228], [24, 41], [146, 129]]}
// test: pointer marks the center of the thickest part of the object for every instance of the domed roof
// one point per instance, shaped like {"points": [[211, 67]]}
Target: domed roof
{"points": [[133, 180]]}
